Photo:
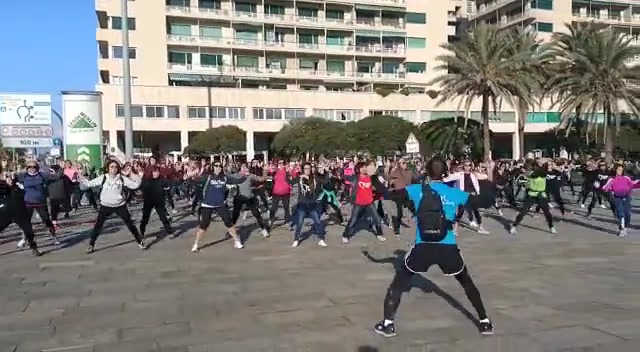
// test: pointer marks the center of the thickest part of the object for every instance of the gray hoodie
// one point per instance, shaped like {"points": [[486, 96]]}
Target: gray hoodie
{"points": [[245, 188], [111, 193]]}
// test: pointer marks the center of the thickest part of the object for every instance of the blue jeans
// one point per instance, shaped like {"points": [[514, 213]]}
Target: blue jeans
{"points": [[623, 211], [303, 211]]}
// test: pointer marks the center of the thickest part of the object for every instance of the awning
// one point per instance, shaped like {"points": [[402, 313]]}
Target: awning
{"points": [[375, 34], [387, 7], [394, 34], [183, 77]]}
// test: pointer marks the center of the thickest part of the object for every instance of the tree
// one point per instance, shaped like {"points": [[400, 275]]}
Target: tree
{"points": [[312, 135], [591, 74], [483, 66], [223, 139], [451, 136], [381, 134], [532, 73]]}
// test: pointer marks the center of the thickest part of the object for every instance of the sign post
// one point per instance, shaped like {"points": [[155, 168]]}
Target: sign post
{"points": [[412, 145], [26, 120], [82, 122]]}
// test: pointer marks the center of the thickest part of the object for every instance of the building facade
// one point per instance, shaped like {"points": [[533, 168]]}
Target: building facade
{"points": [[197, 64]]}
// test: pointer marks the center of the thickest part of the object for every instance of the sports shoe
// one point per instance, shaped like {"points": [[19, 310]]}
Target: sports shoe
{"points": [[345, 240], [195, 248], [512, 230], [21, 243], [622, 232], [90, 249], [237, 244], [388, 330], [35, 252], [142, 245], [295, 244], [603, 206], [553, 231], [265, 233], [381, 238], [473, 224], [322, 243], [485, 327], [482, 230]]}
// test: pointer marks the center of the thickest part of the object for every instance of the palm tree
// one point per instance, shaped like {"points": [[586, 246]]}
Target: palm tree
{"points": [[592, 75], [483, 65], [453, 135], [532, 73]]}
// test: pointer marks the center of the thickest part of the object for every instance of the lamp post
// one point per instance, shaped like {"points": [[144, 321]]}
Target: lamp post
{"points": [[126, 85]]}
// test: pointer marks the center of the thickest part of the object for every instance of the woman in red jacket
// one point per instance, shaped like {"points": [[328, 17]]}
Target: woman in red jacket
{"points": [[365, 184]]}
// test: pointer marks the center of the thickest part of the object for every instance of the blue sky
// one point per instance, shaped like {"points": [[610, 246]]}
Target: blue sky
{"points": [[47, 46]]}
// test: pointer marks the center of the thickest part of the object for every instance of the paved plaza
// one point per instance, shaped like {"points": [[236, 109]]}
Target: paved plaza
{"points": [[576, 291]]}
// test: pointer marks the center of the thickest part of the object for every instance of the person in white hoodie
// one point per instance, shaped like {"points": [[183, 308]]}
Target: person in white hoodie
{"points": [[467, 181], [112, 200]]}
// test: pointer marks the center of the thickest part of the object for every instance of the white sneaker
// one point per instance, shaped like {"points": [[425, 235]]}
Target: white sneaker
{"points": [[174, 211], [237, 244], [500, 213], [513, 230], [551, 206], [381, 238], [295, 244], [553, 231], [265, 233], [195, 248], [21, 243], [603, 206], [622, 233], [322, 243], [482, 230], [582, 206], [345, 240], [473, 224]]}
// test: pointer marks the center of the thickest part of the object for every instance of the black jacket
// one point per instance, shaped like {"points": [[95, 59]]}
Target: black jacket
{"points": [[60, 187], [153, 190], [12, 201]]}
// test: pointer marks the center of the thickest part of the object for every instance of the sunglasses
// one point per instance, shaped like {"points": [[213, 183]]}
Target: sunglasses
{"points": [[217, 165]]}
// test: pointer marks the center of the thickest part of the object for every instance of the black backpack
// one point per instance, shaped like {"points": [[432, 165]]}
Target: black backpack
{"points": [[432, 224]]}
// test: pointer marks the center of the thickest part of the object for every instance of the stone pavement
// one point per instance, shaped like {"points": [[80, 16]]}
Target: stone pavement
{"points": [[577, 291]]}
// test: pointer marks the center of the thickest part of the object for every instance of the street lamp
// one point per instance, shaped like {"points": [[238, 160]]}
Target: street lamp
{"points": [[126, 85]]}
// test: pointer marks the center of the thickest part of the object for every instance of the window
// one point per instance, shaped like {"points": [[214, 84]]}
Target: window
{"points": [[348, 115], [154, 111], [245, 7], [335, 66], [179, 29], [267, 114], [209, 4], [416, 43], [307, 12], [290, 114], [120, 80], [544, 27], [247, 61], [335, 40], [416, 67], [180, 58], [116, 23], [335, 14], [416, 17], [328, 114], [136, 110], [210, 32], [217, 112], [542, 4], [210, 60], [173, 111], [235, 113], [117, 52], [197, 112], [273, 9]]}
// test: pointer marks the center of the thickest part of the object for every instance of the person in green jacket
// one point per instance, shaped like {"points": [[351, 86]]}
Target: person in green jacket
{"points": [[536, 195]]}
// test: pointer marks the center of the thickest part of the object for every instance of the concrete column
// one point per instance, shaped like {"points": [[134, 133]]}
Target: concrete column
{"points": [[250, 146], [113, 142], [184, 139], [515, 146]]}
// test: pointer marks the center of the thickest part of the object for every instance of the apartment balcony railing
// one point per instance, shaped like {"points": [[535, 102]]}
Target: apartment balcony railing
{"points": [[284, 18], [606, 17], [375, 49], [488, 7], [292, 73]]}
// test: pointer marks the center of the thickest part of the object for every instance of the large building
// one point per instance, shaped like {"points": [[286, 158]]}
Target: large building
{"points": [[197, 64]]}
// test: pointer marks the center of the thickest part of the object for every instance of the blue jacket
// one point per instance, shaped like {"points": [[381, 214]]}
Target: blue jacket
{"points": [[35, 187], [214, 189]]}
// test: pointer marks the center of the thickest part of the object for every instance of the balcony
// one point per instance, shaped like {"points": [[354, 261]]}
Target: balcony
{"points": [[605, 17], [288, 73], [289, 46], [484, 9]]}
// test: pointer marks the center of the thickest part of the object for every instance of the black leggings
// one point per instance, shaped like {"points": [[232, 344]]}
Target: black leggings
{"points": [[161, 210], [472, 212], [23, 222], [275, 201], [260, 194], [58, 205], [401, 200], [402, 282], [43, 212], [557, 197], [542, 202], [252, 204], [122, 212]]}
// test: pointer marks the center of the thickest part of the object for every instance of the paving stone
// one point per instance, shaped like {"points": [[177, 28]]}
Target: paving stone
{"points": [[575, 292], [154, 331], [572, 337]]}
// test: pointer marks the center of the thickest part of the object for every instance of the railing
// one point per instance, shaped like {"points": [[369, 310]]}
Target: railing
{"points": [[293, 73], [259, 16], [288, 45], [486, 8]]}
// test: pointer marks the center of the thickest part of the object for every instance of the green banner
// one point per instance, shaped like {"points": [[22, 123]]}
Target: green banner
{"points": [[88, 155]]}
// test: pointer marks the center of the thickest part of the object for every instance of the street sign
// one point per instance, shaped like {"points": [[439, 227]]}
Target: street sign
{"points": [[25, 109], [55, 151], [412, 145], [26, 136]]}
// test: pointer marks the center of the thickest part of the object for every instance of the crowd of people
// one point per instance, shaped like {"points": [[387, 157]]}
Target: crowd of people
{"points": [[437, 193]]}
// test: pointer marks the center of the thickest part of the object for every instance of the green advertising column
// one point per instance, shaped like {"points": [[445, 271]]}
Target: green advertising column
{"points": [[82, 123]]}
